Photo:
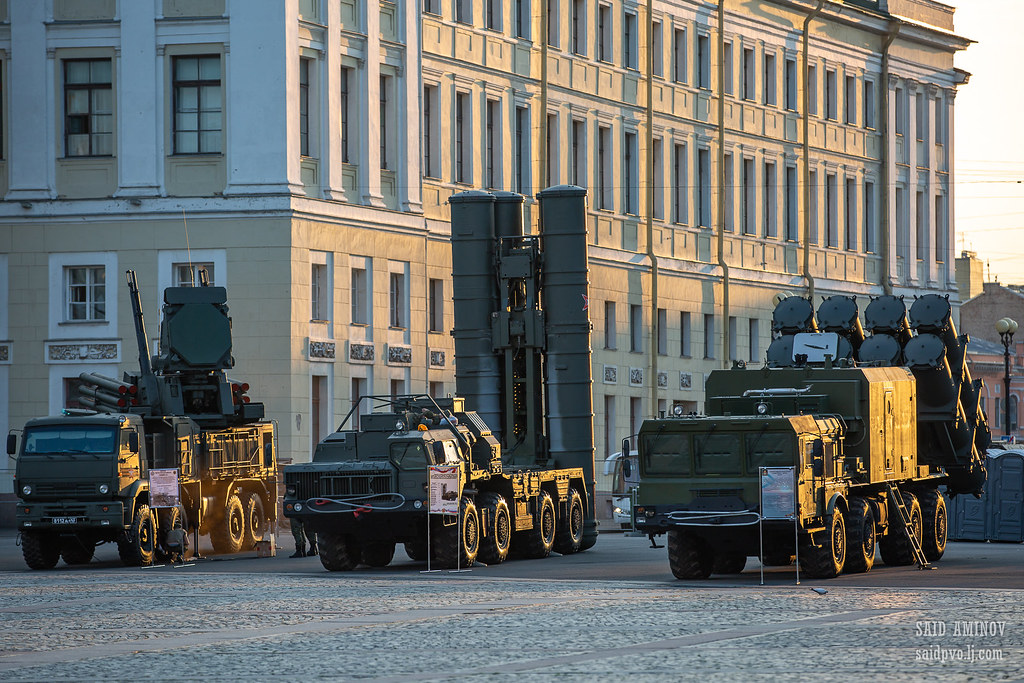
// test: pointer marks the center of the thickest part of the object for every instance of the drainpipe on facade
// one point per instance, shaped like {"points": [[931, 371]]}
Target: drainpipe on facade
{"points": [[721, 184], [543, 156], [894, 29], [807, 153], [649, 180]]}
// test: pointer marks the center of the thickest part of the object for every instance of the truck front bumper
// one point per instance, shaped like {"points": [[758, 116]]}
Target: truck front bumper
{"points": [[70, 515], [395, 520]]}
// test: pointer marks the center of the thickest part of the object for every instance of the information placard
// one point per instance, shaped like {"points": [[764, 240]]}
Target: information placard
{"points": [[778, 499], [445, 489], [163, 488]]}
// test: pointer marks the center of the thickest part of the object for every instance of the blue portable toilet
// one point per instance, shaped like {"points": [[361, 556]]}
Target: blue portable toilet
{"points": [[1005, 495]]}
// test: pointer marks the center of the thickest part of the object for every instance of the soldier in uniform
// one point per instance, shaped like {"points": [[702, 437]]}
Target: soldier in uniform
{"points": [[300, 535]]}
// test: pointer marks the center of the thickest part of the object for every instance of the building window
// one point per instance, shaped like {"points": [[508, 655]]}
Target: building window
{"points": [[431, 147], [730, 200], [679, 55], [345, 112], [831, 96], [850, 199], [319, 291], [88, 108], [432, 7], [684, 334], [579, 153], [522, 149], [749, 198], [657, 161], [435, 309], [902, 236], [385, 84], [727, 68], [629, 41], [709, 336], [662, 332], [463, 11], [770, 200], [461, 137], [704, 187], [397, 299], [940, 228], [733, 341], [604, 173], [812, 219], [85, 293], [755, 339], [869, 217], [679, 174], [749, 74], [604, 33], [197, 105], [792, 203], [192, 274], [919, 211], [636, 328], [609, 325], [812, 90], [494, 9], [551, 148], [579, 27], [522, 10], [851, 100], [304, 106], [921, 112], [656, 49], [630, 169], [769, 79], [901, 117], [552, 23], [831, 211], [704, 62], [869, 104], [493, 144], [361, 293], [791, 82]]}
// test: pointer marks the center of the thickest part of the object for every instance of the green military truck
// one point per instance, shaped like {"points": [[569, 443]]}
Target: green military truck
{"points": [[521, 435], [871, 427], [82, 477]]}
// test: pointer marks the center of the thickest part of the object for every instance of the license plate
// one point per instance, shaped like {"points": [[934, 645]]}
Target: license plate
{"points": [[65, 520]]}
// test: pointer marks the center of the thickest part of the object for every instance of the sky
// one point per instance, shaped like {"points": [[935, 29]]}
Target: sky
{"points": [[989, 137]]}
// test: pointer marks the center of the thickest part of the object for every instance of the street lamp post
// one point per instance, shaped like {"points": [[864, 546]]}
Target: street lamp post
{"points": [[1006, 327]]}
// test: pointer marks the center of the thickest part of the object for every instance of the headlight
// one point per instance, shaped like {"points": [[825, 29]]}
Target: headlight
{"points": [[27, 490], [104, 488], [617, 511], [298, 507], [290, 490]]}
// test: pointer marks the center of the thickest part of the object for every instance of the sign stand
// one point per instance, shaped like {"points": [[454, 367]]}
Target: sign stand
{"points": [[445, 495], [778, 502]]}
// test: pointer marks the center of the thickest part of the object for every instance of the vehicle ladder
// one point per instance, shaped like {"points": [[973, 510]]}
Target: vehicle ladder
{"points": [[907, 526]]}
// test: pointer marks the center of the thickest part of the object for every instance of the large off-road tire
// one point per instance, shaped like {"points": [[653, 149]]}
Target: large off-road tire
{"points": [[935, 524], [537, 542], [894, 546], [168, 519], [495, 543], [827, 561], [458, 544], [256, 522], [41, 551], [569, 530], [860, 537], [227, 533], [729, 563], [417, 551], [76, 550], [378, 554], [689, 557], [138, 546], [338, 552]]}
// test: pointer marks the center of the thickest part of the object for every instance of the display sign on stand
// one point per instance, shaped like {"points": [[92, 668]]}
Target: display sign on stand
{"points": [[778, 503], [163, 488]]}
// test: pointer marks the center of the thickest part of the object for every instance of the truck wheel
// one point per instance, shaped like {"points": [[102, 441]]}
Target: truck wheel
{"points": [[417, 552], [569, 532], [537, 542], [168, 519], [378, 554], [75, 550], [256, 523], [228, 532], [827, 561], [41, 551], [729, 563], [935, 524], [894, 545], [338, 552], [860, 536], [689, 557], [139, 544], [465, 540], [494, 546]]}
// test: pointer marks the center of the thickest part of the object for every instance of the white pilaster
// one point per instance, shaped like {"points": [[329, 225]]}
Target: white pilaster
{"points": [[334, 187], [369, 118], [30, 121], [138, 137], [410, 174]]}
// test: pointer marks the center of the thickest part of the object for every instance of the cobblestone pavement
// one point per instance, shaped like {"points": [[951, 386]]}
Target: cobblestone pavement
{"points": [[186, 623]]}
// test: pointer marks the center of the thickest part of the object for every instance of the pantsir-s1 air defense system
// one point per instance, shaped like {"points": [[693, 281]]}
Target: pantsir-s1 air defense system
{"points": [[871, 426], [83, 476], [520, 434]]}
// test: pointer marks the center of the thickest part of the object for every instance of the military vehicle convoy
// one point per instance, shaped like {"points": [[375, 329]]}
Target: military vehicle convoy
{"points": [[83, 477], [525, 455], [871, 425]]}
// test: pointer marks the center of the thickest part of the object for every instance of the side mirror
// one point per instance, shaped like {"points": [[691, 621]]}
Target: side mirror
{"points": [[818, 468], [627, 467], [625, 446], [12, 444], [133, 441]]}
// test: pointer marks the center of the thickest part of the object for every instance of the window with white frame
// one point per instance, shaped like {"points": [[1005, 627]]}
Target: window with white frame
{"points": [[190, 274], [679, 55], [579, 27], [579, 153], [851, 100], [791, 85], [630, 169], [704, 62], [321, 286], [729, 190], [656, 49], [726, 67], [629, 40], [609, 325], [869, 104], [347, 82], [662, 332], [792, 204], [812, 219], [831, 211], [361, 291], [812, 90], [522, 142], [304, 69], [770, 200], [398, 295], [704, 187], [85, 293], [680, 184], [749, 198], [386, 127], [749, 74], [684, 334], [88, 108], [522, 15], [636, 328], [940, 228], [462, 135], [869, 217], [770, 73], [709, 335], [850, 200], [552, 19], [921, 111], [551, 148], [604, 170], [658, 210], [464, 11], [604, 33], [831, 96], [494, 10], [492, 140], [431, 137], [198, 104]]}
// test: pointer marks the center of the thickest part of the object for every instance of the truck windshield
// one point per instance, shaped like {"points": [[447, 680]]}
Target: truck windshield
{"points": [[719, 454], [666, 453], [84, 439], [770, 449], [409, 455]]}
